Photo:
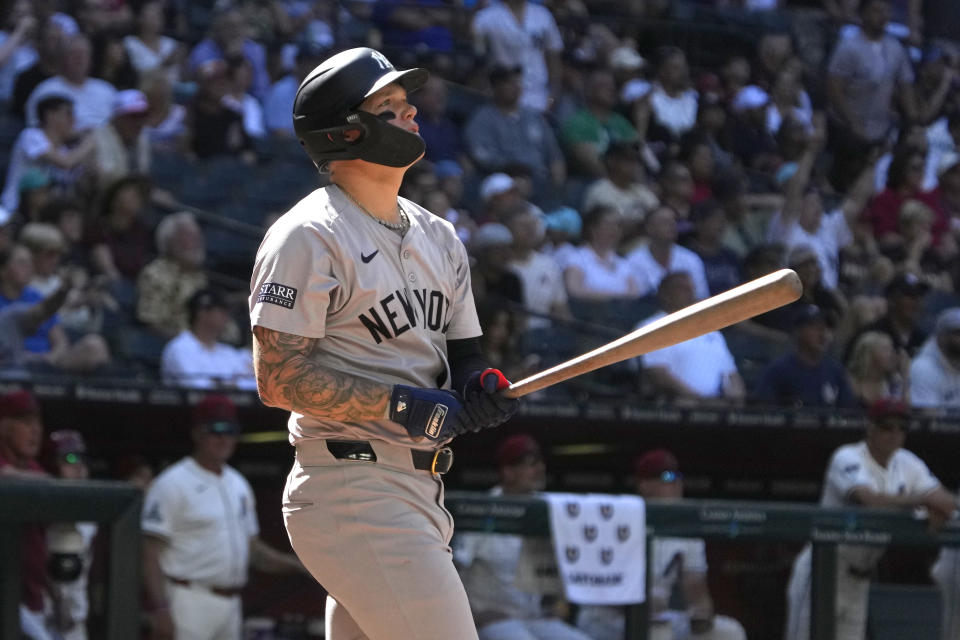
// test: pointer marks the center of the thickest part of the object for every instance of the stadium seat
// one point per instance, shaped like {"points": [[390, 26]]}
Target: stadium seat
{"points": [[904, 611]]}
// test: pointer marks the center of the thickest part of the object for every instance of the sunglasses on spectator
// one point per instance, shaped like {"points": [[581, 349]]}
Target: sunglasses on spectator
{"points": [[73, 458], [670, 477]]}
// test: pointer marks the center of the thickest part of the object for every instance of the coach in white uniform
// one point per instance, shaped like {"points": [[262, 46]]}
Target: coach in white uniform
{"points": [[875, 472], [200, 524]]}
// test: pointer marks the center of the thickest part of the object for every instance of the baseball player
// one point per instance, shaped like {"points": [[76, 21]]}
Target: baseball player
{"points": [[875, 472], [201, 534], [365, 330]]}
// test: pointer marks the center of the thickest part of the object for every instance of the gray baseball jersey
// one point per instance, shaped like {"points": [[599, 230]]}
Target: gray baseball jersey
{"points": [[381, 306]]}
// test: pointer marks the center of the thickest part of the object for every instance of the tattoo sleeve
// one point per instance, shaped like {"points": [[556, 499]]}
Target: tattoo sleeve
{"points": [[289, 378]]}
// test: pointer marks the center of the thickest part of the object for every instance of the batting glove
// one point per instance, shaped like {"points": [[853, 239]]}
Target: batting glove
{"points": [[429, 413], [484, 404]]}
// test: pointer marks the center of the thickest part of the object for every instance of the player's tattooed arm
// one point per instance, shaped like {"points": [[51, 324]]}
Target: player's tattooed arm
{"points": [[289, 378]]}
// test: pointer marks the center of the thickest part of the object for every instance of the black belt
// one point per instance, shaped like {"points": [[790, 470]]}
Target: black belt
{"points": [[435, 461], [226, 592]]}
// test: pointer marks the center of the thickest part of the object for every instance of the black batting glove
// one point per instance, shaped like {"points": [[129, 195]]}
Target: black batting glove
{"points": [[484, 404]]}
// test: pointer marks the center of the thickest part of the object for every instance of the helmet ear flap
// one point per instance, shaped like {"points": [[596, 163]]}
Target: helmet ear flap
{"points": [[364, 136]]}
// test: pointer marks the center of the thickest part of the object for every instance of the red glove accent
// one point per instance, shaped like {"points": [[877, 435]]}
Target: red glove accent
{"points": [[493, 380]]}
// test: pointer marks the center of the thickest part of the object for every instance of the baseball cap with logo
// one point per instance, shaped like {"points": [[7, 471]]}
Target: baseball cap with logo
{"points": [[516, 449], [216, 414], [653, 464], [130, 101], [18, 404]]}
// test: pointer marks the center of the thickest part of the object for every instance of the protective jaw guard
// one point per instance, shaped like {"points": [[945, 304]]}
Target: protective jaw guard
{"points": [[363, 137]]}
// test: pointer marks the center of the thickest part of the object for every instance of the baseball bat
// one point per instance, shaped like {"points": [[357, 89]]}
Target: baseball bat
{"points": [[722, 310]]}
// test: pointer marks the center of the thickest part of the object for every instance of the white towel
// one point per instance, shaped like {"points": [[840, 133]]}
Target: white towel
{"points": [[600, 542]]}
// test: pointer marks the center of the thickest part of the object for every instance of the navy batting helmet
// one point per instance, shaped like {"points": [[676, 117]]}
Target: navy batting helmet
{"points": [[326, 119]]}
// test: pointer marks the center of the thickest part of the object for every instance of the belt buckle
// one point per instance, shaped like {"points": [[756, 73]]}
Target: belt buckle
{"points": [[442, 461]]}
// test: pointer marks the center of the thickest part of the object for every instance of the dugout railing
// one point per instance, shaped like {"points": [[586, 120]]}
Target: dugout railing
{"points": [[115, 506], [730, 521]]}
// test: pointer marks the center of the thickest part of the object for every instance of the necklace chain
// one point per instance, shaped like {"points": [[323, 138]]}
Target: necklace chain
{"points": [[400, 227]]}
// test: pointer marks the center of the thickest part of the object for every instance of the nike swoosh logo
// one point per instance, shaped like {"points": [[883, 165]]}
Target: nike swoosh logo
{"points": [[370, 257]]}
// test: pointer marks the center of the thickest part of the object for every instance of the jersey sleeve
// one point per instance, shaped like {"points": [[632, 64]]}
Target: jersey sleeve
{"points": [[292, 283], [160, 507], [920, 479], [463, 319], [249, 513], [846, 473]]}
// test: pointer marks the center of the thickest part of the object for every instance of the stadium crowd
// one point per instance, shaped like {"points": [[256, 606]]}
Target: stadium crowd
{"points": [[598, 174], [604, 162]]}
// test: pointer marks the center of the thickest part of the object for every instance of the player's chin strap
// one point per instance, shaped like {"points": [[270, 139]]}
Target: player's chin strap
{"points": [[364, 137]]}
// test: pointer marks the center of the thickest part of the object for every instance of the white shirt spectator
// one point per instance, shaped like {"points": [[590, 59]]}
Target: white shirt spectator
{"points": [[633, 203], [678, 115], [650, 272], [543, 287], [279, 104], [934, 382], [611, 276], [831, 236], [207, 521], [92, 101], [144, 59], [188, 362], [511, 43], [702, 363]]}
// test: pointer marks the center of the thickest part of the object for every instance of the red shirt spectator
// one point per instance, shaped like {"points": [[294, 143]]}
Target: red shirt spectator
{"points": [[904, 180]]}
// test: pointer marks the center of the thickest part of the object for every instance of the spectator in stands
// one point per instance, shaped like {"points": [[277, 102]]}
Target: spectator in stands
{"points": [[935, 370], [803, 260], [166, 124], [676, 192], [498, 195], [49, 347], [119, 241], [876, 370], [746, 227], [198, 544], [46, 148], [697, 155], [946, 196], [110, 62], [721, 266], [904, 296], [540, 276], [866, 74], [35, 193], [807, 377], [624, 187], [123, 144], [751, 140], [491, 278], [803, 220], [673, 102], [49, 41], [46, 245], [563, 227], [875, 472], [17, 50], [149, 50], [168, 282], [662, 255], [227, 38], [20, 320], [67, 216], [278, 105], [196, 358], [678, 564], [216, 129], [440, 133], [21, 436], [501, 345], [595, 272], [422, 24], [588, 132], [788, 99], [92, 98], [520, 32], [489, 562], [699, 370], [238, 98], [904, 182], [506, 133], [70, 544], [914, 248]]}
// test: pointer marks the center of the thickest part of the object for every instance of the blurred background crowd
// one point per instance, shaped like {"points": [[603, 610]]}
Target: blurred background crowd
{"points": [[603, 162]]}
